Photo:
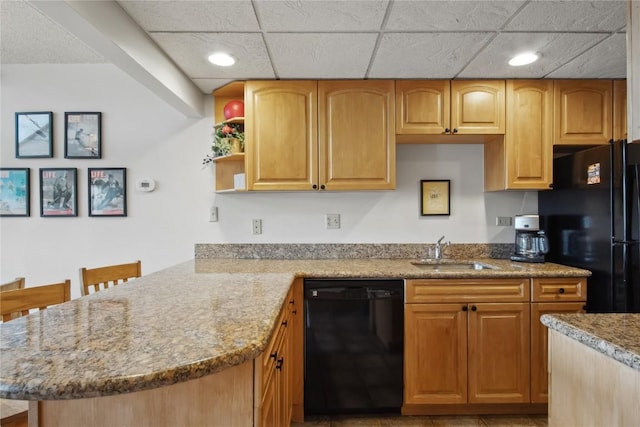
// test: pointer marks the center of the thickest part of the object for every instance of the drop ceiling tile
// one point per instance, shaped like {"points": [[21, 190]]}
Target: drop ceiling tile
{"points": [[553, 48], [321, 16], [451, 15], [29, 37], [193, 16], [605, 60], [570, 15], [190, 52], [321, 55], [425, 55]]}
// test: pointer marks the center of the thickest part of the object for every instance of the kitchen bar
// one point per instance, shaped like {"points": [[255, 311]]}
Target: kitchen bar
{"points": [[178, 325]]}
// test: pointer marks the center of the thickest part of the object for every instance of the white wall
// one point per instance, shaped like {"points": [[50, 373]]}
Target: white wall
{"points": [[154, 141]]}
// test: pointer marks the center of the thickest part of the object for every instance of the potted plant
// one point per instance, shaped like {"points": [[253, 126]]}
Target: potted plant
{"points": [[228, 138]]}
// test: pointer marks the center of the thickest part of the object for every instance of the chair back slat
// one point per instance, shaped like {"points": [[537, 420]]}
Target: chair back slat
{"points": [[40, 297], [96, 279], [17, 283]]}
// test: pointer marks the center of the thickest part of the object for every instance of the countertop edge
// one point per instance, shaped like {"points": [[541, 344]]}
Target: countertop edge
{"points": [[592, 341]]}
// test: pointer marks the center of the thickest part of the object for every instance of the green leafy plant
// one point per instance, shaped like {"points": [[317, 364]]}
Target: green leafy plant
{"points": [[223, 136]]}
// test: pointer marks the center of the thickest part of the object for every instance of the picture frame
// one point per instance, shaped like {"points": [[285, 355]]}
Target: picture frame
{"points": [[58, 192], [435, 197], [15, 191], [34, 134], [83, 135], [107, 191]]}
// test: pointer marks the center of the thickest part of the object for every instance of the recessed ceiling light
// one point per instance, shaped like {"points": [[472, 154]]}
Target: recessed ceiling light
{"points": [[222, 59], [523, 59]]}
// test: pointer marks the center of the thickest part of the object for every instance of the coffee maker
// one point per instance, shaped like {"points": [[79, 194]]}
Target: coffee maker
{"points": [[531, 242]]}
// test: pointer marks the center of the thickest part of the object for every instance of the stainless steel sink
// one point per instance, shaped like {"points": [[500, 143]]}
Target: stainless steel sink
{"points": [[453, 266]]}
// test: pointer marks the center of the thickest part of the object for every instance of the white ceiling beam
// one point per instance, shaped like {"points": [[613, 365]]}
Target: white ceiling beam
{"points": [[106, 28]]}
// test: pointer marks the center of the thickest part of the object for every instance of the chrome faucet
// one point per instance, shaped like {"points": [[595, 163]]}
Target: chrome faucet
{"points": [[439, 247]]}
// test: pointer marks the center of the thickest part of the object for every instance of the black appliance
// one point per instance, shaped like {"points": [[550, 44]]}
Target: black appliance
{"points": [[592, 219], [354, 339]]}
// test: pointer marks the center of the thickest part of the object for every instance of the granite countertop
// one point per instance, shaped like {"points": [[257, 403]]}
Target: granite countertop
{"points": [[181, 323], [616, 335]]}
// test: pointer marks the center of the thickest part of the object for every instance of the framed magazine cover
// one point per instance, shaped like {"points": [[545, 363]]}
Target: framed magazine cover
{"points": [[107, 192], [83, 135], [58, 192], [14, 191], [34, 134], [435, 197]]}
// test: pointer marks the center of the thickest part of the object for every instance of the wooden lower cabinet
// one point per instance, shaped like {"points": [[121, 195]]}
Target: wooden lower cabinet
{"points": [[550, 295], [278, 373], [467, 352], [435, 362]]}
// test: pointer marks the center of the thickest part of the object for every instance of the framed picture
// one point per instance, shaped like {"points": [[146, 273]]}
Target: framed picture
{"points": [[58, 192], [107, 192], [434, 197], [34, 134], [83, 136], [14, 191]]}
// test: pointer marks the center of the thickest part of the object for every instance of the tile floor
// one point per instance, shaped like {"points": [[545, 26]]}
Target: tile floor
{"points": [[427, 421]]}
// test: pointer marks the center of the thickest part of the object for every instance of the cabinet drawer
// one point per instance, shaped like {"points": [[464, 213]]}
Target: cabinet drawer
{"points": [[467, 290], [559, 289]]}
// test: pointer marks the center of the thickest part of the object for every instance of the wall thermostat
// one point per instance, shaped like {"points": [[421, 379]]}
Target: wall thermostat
{"points": [[146, 185]]}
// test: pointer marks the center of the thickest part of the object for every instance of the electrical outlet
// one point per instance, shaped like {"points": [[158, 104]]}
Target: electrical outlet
{"points": [[213, 214], [332, 221], [257, 226], [504, 221]]}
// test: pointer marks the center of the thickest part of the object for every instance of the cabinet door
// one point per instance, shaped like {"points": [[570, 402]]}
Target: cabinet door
{"points": [[422, 107], [499, 353], [619, 109], [583, 112], [529, 134], [357, 135], [478, 107], [435, 360], [281, 135], [539, 348]]}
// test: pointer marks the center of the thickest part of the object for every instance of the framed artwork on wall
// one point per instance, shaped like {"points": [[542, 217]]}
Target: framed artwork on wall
{"points": [[58, 192], [435, 197], [107, 192], [14, 191], [83, 135], [34, 134]]}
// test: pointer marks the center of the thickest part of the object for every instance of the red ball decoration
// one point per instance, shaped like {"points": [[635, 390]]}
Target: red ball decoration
{"points": [[233, 109]]}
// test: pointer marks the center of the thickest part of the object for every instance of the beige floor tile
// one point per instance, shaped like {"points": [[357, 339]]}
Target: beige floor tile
{"points": [[508, 421], [540, 420], [407, 421], [457, 421], [355, 422]]}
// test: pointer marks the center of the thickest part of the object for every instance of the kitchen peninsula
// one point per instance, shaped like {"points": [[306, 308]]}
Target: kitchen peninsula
{"points": [[594, 367], [182, 344]]}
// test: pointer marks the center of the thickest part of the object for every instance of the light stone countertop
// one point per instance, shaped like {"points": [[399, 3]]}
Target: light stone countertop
{"points": [[181, 323], [616, 335]]}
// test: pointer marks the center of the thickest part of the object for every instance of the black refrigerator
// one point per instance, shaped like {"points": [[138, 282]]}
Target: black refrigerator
{"points": [[592, 217]]}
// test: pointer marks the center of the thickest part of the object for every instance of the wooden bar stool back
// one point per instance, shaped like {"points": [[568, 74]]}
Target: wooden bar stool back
{"points": [[15, 299], [96, 279], [17, 283], [40, 297]]}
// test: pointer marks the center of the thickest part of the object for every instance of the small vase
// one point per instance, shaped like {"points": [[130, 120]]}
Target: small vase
{"points": [[236, 146]]}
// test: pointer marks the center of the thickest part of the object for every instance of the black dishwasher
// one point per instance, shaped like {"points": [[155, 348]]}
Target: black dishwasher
{"points": [[354, 336]]}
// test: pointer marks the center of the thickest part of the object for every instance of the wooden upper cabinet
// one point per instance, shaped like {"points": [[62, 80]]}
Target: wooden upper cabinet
{"points": [[524, 159], [356, 135], [423, 107], [281, 135], [583, 112], [443, 107], [620, 109], [477, 107]]}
